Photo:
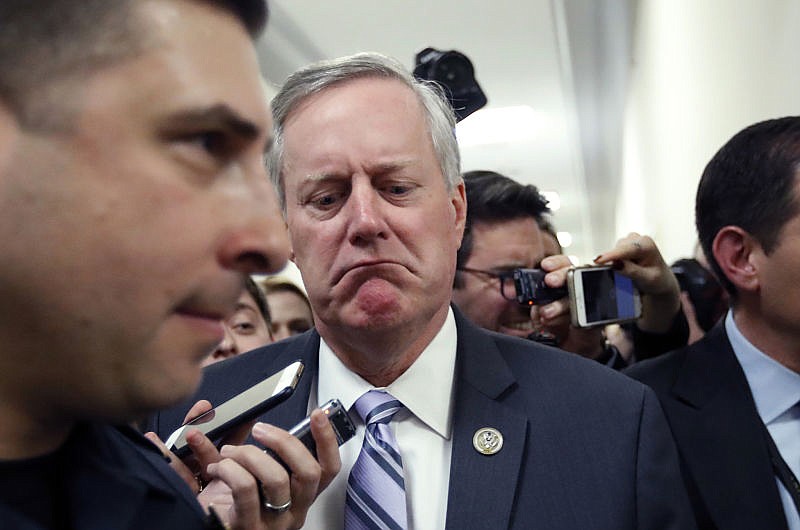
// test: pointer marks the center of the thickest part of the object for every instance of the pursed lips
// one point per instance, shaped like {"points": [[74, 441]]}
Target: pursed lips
{"points": [[362, 265]]}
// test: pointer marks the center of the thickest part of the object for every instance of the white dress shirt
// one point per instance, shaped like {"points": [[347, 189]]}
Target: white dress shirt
{"points": [[423, 431], [776, 392]]}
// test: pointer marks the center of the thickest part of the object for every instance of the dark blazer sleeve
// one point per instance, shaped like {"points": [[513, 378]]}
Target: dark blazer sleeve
{"points": [[647, 345], [662, 502]]}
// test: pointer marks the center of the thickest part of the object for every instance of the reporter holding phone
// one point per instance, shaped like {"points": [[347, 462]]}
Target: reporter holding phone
{"points": [[506, 230]]}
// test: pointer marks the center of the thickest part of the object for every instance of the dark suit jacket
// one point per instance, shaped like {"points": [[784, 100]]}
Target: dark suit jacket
{"points": [[584, 447], [718, 432], [118, 480]]}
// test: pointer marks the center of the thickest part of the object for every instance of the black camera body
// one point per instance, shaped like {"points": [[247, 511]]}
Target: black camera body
{"points": [[531, 289], [454, 71], [707, 295]]}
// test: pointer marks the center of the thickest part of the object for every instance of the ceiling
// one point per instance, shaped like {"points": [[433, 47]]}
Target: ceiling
{"points": [[567, 61]]}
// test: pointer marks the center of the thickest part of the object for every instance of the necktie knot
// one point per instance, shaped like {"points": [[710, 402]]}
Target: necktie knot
{"points": [[377, 406]]}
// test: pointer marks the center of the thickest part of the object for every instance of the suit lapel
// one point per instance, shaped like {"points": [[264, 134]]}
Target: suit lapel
{"points": [[723, 435], [482, 487]]}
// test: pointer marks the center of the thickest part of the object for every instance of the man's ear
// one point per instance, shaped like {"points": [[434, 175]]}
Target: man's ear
{"points": [[735, 250], [459, 201]]}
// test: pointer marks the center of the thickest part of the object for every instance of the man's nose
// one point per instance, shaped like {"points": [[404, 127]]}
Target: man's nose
{"points": [[365, 212], [226, 348], [260, 243]]}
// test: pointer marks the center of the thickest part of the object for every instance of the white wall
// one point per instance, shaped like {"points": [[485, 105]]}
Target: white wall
{"points": [[703, 70]]}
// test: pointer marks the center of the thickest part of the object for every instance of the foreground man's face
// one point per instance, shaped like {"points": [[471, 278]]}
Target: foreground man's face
{"points": [[130, 234]]}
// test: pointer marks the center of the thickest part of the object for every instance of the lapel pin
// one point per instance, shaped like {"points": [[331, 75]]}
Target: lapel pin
{"points": [[487, 441]]}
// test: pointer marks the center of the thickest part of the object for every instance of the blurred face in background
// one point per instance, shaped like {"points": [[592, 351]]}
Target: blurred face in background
{"points": [[290, 313], [245, 330]]}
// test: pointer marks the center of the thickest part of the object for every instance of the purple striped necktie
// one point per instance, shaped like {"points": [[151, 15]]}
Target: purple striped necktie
{"points": [[376, 495]]}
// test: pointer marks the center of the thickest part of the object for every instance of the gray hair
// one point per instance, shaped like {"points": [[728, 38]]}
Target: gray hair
{"points": [[317, 77]]}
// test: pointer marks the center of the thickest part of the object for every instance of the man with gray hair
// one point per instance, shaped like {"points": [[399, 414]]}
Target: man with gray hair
{"points": [[457, 427]]}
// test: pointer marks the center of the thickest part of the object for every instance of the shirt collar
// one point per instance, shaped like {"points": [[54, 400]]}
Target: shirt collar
{"points": [[430, 403], [775, 388]]}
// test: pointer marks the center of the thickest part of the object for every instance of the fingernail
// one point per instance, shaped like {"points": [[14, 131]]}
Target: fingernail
{"points": [[319, 419], [260, 429], [194, 437], [211, 468], [225, 449], [598, 258]]}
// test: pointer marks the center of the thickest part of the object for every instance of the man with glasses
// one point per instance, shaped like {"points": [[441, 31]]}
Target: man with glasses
{"points": [[503, 233]]}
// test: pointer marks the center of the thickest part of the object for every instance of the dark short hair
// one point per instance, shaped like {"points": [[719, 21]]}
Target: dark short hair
{"points": [[259, 297], [750, 183], [492, 197], [42, 41], [546, 225]]}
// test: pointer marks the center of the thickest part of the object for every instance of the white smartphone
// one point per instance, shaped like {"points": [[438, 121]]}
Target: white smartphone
{"points": [[243, 407], [600, 295]]}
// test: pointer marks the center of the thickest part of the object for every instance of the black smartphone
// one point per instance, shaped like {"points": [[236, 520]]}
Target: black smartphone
{"points": [[339, 419], [242, 408], [531, 289]]}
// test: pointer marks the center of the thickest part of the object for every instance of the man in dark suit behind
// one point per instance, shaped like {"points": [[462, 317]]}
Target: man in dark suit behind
{"points": [[731, 398], [495, 431]]}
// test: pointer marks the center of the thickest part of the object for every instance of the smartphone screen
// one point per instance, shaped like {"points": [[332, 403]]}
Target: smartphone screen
{"points": [[601, 295], [243, 407]]}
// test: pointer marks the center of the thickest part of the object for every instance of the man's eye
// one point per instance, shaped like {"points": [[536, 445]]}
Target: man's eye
{"points": [[244, 327], [325, 201], [214, 142], [398, 189], [298, 327]]}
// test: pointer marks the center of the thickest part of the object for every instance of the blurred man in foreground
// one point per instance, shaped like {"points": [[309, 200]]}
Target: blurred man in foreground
{"points": [[132, 192]]}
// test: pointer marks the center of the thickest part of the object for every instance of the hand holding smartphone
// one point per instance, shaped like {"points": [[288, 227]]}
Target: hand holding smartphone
{"points": [[240, 409], [339, 419]]}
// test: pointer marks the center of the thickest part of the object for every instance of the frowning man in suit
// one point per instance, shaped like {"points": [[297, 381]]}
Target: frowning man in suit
{"points": [[732, 398], [491, 431]]}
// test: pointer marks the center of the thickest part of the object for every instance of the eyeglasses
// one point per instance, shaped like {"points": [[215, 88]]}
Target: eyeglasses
{"points": [[508, 288]]}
